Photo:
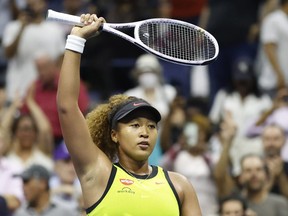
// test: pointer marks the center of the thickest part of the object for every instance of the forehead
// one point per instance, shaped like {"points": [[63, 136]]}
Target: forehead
{"points": [[272, 131], [252, 162], [232, 204]]}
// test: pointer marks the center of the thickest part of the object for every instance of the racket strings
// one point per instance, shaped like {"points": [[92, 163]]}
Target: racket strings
{"points": [[177, 41]]}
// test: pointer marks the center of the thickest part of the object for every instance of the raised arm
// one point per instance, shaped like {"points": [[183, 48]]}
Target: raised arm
{"points": [[84, 153], [45, 135]]}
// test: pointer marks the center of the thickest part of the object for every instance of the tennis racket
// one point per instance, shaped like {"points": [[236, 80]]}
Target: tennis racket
{"points": [[169, 39]]}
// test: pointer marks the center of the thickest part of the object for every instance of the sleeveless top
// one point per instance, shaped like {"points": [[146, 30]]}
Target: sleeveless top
{"points": [[126, 195]]}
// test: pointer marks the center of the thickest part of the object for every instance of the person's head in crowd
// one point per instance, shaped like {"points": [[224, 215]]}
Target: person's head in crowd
{"points": [[36, 8], [24, 131], [254, 173], [196, 134], [243, 77], [232, 205], [148, 71], [46, 68], [35, 184], [196, 105], [73, 7], [273, 139], [64, 168]]}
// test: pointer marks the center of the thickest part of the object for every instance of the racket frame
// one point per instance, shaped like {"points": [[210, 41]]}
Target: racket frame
{"points": [[114, 28]]}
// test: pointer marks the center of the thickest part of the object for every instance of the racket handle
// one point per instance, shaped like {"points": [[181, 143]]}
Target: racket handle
{"points": [[67, 19]]}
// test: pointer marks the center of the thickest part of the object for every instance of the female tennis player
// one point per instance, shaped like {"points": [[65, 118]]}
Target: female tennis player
{"points": [[110, 149]]}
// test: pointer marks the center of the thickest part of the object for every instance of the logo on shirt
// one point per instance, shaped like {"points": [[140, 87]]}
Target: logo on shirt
{"points": [[126, 190], [126, 181]]}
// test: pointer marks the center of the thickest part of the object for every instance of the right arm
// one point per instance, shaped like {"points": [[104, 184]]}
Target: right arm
{"points": [[89, 161], [11, 49], [270, 50], [223, 179]]}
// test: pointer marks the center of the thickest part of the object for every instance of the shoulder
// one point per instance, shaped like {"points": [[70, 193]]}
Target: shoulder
{"points": [[277, 199], [180, 182]]}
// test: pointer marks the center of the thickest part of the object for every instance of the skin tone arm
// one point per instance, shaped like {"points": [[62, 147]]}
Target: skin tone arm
{"points": [[270, 50], [92, 166], [186, 194], [224, 181], [11, 50], [12, 202], [277, 174], [45, 137]]}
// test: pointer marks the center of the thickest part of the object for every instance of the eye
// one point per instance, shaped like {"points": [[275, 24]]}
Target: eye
{"points": [[135, 125], [152, 126]]}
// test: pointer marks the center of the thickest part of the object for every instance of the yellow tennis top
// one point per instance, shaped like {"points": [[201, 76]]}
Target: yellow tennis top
{"points": [[126, 195]]}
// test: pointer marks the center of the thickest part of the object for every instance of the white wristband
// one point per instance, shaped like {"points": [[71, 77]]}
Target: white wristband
{"points": [[75, 43]]}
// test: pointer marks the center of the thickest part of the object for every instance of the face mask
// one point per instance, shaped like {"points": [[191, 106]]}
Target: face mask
{"points": [[148, 80]]}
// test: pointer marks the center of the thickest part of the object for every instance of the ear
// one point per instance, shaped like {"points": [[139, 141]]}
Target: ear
{"points": [[114, 136]]}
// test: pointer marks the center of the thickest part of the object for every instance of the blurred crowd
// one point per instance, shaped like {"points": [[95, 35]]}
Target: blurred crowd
{"points": [[224, 125]]}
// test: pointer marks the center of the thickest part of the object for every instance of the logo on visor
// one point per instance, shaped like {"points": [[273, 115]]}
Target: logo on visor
{"points": [[138, 104]]}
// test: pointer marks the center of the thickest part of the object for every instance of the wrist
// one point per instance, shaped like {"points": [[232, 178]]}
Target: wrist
{"points": [[75, 43]]}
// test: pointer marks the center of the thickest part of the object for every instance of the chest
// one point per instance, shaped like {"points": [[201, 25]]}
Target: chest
{"points": [[131, 196]]}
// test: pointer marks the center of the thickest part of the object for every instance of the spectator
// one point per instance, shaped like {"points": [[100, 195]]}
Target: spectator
{"points": [[11, 194], [273, 66], [64, 184], [23, 38], [245, 103], [237, 38], [9, 10], [234, 205], [30, 136], [173, 124], [37, 193], [45, 93], [276, 115], [273, 139], [151, 85], [194, 161], [254, 179]]}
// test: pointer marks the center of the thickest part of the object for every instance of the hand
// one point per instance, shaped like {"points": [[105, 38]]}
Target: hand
{"points": [[91, 26], [228, 128], [275, 165]]}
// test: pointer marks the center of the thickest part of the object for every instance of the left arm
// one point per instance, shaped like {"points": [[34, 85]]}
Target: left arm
{"points": [[187, 195], [45, 135]]}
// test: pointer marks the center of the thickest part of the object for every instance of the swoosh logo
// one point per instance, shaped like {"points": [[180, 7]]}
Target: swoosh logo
{"points": [[137, 104]]}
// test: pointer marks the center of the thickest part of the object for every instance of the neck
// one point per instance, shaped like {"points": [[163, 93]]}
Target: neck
{"points": [[24, 153], [139, 168], [257, 197]]}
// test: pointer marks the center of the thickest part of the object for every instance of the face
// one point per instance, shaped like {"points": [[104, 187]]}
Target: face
{"points": [[26, 132], [37, 6], [136, 135], [253, 175], [232, 208], [46, 69], [273, 140], [33, 189]]}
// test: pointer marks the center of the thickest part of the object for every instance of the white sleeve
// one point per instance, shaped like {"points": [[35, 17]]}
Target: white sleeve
{"points": [[10, 33], [269, 31]]}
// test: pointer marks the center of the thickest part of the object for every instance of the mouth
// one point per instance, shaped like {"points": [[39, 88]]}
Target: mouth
{"points": [[143, 145]]}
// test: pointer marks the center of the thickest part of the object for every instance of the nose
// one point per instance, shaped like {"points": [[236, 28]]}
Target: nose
{"points": [[144, 132]]}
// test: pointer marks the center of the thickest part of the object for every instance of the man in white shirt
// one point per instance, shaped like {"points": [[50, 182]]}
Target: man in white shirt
{"points": [[273, 64]]}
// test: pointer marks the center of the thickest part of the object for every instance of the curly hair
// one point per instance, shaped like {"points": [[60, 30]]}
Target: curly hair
{"points": [[98, 121]]}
